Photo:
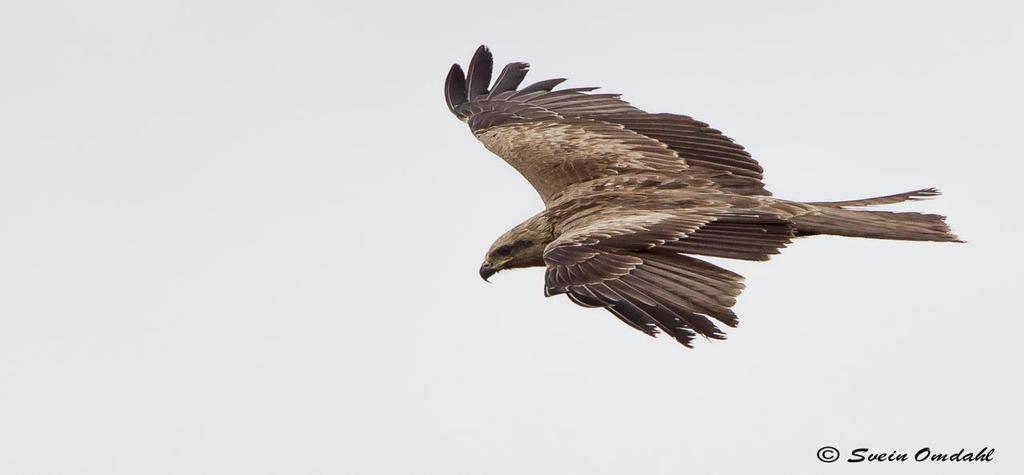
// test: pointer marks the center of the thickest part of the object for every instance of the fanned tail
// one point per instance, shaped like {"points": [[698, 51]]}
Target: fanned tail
{"points": [[875, 225]]}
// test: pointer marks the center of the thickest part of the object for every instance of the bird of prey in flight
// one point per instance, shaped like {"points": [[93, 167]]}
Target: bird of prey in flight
{"points": [[631, 196]]}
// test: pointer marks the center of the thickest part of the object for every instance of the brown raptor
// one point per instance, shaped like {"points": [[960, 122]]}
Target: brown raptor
{"points": [[630, 196]]}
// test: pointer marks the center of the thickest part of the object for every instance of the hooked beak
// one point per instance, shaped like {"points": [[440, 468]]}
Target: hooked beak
{"points": [[486, 272]]}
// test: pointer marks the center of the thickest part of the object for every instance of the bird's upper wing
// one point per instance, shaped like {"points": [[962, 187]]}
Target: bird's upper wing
{"points": [[558, 138], [629, 261]]}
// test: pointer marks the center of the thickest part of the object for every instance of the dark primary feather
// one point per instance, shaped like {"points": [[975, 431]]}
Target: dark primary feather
{"points": [[479, 73], [509, 79], [455, 89], [545, 85]]}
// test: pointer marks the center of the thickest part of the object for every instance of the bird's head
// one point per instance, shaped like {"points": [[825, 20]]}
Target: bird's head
{"points": [[523, 246]]}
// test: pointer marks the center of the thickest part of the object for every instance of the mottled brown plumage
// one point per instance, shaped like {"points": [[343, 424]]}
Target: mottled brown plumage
{"points": [[630, 195]]}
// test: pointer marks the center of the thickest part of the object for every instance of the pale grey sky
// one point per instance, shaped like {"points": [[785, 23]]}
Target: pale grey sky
{"points": [[243, 238]]}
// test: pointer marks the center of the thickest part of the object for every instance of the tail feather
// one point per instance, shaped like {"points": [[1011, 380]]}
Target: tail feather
{"points": [[922, 194]]}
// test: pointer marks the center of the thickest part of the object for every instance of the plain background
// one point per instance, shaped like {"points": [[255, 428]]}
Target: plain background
{"points": [[243, 238]]}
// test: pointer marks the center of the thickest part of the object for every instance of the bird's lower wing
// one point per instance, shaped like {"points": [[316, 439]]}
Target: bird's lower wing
{"points": [[630, 262], [650, 291]]}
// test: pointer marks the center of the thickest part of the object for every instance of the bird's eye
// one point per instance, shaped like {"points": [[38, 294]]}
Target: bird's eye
{"points": [[503, 251]]}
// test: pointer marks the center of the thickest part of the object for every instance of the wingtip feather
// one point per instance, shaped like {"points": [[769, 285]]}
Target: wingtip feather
{"points": [[479, 74], [511, 77], [455, 88]]}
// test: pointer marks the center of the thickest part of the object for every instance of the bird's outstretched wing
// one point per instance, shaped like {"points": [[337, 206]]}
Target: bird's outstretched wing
{"points": [[629, 261], [556, 138]]}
